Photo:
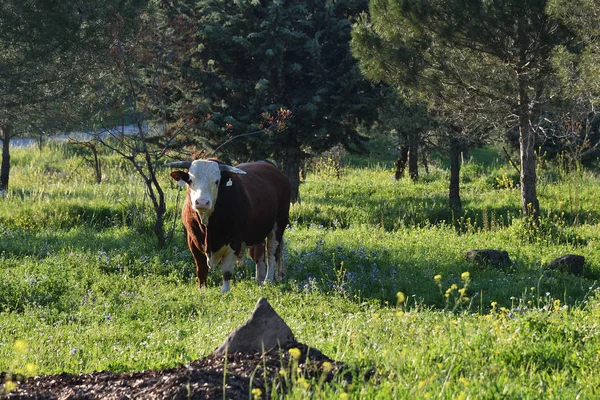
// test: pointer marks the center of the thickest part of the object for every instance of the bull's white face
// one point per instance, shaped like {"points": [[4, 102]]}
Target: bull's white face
{"points": [[204, 179]]}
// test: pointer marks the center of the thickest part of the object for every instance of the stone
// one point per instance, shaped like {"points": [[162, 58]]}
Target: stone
{"points": [[489, 257], [263, 331], [570, 263]]}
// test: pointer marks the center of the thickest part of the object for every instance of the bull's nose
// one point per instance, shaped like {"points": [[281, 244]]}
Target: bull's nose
{"points": [[202, 204]]}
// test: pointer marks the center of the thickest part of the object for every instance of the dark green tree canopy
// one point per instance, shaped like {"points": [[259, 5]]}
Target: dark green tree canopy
{"points": [[254, 58], [475, 60]]}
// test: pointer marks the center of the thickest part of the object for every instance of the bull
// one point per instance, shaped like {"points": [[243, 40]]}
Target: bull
{"points": [[230, 209]]}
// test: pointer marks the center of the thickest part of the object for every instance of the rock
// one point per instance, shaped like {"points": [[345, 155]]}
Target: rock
{"points": [[489, 257], [570, 263], [263, 331]]}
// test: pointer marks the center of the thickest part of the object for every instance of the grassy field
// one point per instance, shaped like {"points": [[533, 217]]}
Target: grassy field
{"points": [[377, 278]]}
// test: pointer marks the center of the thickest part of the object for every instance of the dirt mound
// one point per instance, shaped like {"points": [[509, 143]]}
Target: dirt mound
{"points": [[201, 379]]}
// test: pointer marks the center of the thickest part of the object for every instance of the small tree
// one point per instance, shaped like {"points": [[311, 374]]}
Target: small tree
{"points": [[137, 91], [94, 161], [255, 58], [408, 120], [388, 51], [490, 60], [576, 128], [50, 52]]}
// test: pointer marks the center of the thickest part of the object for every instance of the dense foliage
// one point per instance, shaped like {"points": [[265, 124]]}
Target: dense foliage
{"points": [[480, 64], [251, 64]]}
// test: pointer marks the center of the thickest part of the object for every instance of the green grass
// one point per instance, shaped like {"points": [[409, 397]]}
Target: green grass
{"points": [[83, 287]]}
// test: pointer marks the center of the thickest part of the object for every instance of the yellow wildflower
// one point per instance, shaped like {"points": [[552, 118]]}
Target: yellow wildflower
{"points": [[256, 393], [303, 383], [556, 305], [401, 297], [295, 353], [327, 366], [20, 346], [30, 369], [9, 386], [344, 396], [465, 275], [437, 278]]}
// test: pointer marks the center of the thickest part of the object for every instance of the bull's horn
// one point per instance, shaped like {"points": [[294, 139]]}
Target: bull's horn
{"points": [[180, 164], [231, 169]]}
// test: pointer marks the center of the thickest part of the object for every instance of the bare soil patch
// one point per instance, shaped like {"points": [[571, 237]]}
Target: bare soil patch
{"points": [[202, 379]]}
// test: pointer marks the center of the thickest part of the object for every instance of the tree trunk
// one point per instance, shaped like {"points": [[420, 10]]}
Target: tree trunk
{"points": [[455, 161], [159, 228], [97, 165], [5, 167], [413, 158], [157, 196], [529, 201], [291, 163], [401, 162], [425, 161], [160, 208]]}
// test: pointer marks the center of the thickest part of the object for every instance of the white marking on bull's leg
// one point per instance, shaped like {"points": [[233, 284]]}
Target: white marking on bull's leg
{"points": [[272, 245], [261, 268], [214, 258], [227, 265]]}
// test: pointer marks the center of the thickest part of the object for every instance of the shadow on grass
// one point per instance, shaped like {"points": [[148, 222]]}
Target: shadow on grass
{"points": [[378, 275]]}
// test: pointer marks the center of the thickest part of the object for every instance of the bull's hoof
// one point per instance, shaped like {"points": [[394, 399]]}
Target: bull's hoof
{"points": [[267, 282], [226, 288]]}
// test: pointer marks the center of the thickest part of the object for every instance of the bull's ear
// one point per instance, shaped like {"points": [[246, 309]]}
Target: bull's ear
{"points": [[180, 176]]}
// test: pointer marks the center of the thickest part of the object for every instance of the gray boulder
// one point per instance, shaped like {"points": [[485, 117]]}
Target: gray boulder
{"points": [[570, 263], [489, 257]]}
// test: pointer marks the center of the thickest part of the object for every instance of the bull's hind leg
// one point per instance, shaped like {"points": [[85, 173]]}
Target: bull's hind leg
{"points": [[274, 253], [257, 253], [280, 269]]}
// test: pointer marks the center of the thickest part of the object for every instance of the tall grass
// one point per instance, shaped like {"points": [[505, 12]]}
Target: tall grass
{"points": [[376, 278]]}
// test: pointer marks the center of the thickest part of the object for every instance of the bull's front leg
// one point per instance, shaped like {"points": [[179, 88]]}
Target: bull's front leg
{"points": [[227, 257], [201, 266]]}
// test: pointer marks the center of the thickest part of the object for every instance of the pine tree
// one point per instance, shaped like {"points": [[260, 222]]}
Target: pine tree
{"points": [[49, 55], [253, 59], [487, 62]]}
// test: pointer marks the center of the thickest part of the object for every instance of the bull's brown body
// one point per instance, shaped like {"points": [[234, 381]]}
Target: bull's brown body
{"points": [[249, 208]]}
